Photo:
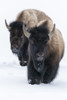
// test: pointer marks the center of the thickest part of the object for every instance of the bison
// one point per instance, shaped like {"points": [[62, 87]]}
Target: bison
{"points": [[16, 34], [45, 51], [17, 37]]}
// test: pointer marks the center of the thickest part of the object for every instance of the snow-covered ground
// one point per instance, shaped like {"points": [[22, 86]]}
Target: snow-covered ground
{"points": [[13, 77], [14, 85]]}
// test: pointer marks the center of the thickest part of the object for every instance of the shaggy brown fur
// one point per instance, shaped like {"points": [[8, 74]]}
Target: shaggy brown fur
{"points": [[44, 57], [56, 44], [34, 17]]}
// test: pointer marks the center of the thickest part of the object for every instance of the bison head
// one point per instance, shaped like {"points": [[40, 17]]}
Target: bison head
{"points": [[16, 35], [38, 43]]}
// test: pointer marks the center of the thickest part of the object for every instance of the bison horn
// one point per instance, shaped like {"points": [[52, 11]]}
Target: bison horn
{"points": [[8, 27], [42, 22], [51, 34], [25, 30]]}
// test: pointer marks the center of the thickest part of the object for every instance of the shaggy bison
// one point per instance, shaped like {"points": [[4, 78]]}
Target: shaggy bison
{"points": [[45, 51], [16, 34]]}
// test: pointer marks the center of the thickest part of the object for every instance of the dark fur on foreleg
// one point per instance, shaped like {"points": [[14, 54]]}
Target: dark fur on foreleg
{"points": [[23, 55], [34, 77], [50, 74]]}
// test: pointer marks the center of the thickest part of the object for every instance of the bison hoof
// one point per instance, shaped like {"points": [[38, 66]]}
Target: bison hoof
{"points": [[46, 81], [33, 81], [23, 63]]}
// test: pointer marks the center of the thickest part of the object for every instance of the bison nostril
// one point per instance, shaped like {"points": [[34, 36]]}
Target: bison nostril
{"points": [[40, 55]]}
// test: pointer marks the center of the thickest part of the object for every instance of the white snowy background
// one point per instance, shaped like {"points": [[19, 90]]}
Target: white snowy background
{"points": [[13, 77]]}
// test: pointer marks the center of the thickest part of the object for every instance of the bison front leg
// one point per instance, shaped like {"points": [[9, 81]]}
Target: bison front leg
{"points": [[23, 55], [33, 76], [50, 73]]}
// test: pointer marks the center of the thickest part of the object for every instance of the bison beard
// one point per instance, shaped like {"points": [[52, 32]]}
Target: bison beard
{"points": [[39, 65]]}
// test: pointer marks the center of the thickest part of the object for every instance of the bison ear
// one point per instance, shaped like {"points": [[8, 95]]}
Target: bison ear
{"points": [[26, 30], [52, 32], [8, 27]]}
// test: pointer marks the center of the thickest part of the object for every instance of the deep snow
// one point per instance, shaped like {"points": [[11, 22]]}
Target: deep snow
{"points": [[13, 77]]}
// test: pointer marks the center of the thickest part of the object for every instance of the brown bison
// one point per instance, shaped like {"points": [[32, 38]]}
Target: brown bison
{"points": [[17, 38], [45, 51]]}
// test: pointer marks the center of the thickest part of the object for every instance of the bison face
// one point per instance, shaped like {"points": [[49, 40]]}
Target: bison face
{"points": [[38, 47], [16, 38], [16, 35]]}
